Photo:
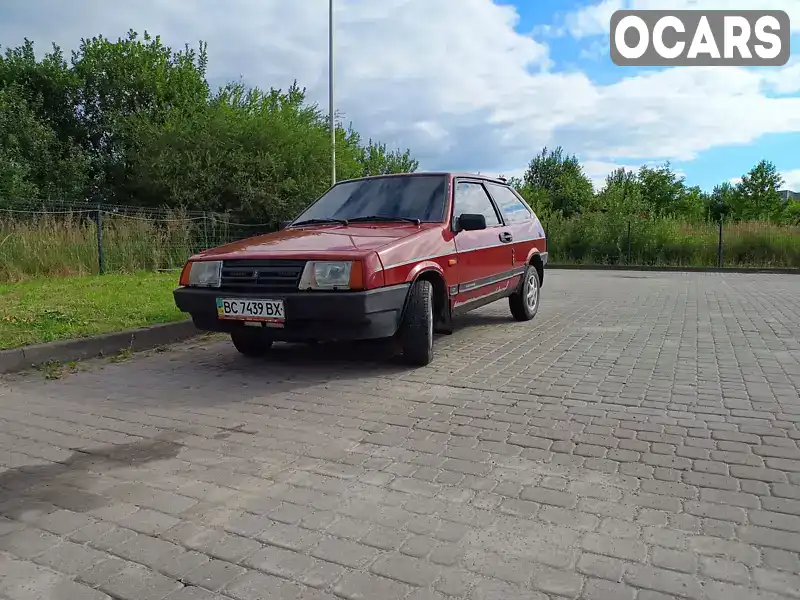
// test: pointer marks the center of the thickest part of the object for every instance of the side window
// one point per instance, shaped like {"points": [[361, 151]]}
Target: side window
{"points": [[470, 197], [513, 209]]}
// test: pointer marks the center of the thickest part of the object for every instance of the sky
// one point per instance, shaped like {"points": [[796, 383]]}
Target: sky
{"points": [[476, 85]]}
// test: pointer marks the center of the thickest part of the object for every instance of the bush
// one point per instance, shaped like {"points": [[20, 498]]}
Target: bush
{"points": [[602, 238]]}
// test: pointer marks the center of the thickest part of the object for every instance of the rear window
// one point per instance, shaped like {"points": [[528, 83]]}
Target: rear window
{"points": [[513, 209], [406, 196]]}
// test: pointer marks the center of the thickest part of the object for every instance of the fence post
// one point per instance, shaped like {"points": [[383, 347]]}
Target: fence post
{"points": [[719, 246], [629, 241], [205, 231], [101, 263]]}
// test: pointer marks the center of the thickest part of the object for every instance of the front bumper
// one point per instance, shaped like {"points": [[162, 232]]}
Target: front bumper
{"points": [[323, 316]]}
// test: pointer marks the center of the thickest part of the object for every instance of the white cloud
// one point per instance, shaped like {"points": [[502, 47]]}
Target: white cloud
{"points": [[677, 113], [451, 79], [595, 50], [598, 170], [784, 81], [595, 19], [791, 180]]}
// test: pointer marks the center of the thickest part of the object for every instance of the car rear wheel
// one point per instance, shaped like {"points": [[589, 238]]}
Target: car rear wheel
{"points": [[416, 333], [251, 342], [524, 303]]}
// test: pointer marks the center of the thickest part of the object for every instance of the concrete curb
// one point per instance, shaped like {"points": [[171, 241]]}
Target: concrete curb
{"points": [[142, 338], [780, 271]]}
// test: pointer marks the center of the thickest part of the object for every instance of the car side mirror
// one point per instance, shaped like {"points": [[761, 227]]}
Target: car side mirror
{"points": [[285, 224], [471, 222]]}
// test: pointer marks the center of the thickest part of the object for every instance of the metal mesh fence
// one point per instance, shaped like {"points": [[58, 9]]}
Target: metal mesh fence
{"points": [[607, 239], [38, 238]]}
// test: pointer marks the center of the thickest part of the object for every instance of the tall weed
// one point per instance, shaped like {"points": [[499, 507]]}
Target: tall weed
{"points": [[607, 239]]}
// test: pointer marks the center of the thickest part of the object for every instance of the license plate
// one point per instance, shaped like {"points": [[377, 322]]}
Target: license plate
{"points": [[269, 312]]}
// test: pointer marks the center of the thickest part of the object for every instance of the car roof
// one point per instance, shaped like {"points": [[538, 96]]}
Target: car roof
{"points": [[497, 180]]}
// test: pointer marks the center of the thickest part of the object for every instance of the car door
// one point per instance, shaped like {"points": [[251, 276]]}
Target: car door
{"points": [[484, 256], [521, 221]]}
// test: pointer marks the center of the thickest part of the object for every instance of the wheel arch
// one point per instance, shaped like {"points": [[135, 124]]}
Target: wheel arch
{"points": [[433, 273], [535, 260]]}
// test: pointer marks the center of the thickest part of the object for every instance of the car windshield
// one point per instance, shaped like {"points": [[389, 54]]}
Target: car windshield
{"points": [[411, 197]]}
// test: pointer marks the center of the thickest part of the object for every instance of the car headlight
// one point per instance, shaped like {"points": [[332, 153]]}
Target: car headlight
{"points": [[205, 273], [326, 275]]}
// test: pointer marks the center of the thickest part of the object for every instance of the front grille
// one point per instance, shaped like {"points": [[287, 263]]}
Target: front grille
{"points": [[268, 276]]}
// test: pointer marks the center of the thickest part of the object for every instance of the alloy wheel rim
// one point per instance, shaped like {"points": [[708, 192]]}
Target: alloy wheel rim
{"points": [[532, 294]]}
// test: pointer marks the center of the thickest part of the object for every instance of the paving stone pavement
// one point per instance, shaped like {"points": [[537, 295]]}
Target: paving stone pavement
{"points": [[638, 440]]}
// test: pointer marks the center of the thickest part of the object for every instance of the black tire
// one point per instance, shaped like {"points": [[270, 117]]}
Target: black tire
{"points": [[416, 331], [251, 342], [524, 303]]}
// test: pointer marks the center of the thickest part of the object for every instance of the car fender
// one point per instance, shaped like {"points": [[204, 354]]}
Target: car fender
{"points": [[533, 252], [542, 255], [422, 267]]}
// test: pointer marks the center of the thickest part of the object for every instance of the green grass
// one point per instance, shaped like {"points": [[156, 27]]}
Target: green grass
{"points": [[43, 310]]}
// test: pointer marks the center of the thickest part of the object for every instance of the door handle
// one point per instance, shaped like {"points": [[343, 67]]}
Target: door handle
{"points": [[506, 237]]}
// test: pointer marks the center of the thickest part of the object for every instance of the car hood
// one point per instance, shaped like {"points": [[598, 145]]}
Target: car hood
{"points": [[339, 238]]}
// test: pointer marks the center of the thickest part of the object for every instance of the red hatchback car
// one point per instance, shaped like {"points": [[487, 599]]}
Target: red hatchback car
{"points": [[377, 257]]}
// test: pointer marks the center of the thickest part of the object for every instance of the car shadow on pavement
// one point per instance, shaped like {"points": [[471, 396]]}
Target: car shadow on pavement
{"points": [[210, 372], [476, 319], [370, 355], [373, 357]]}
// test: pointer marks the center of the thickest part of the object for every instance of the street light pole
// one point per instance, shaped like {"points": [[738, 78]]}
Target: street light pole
{"points": [[330, 92]]}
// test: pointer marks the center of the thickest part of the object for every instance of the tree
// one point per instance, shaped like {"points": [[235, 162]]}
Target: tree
{"points": [[515, 182], [48, 86], [85, 101], [262, 156], [621, 194], [791, 214], [662, 189], [15, 178], [722, 201], [34, 163], [377, 160], [134, 122], [536, 198], [758, 192], [622, 178], [131, 77], [692, 205], [561, 179]]}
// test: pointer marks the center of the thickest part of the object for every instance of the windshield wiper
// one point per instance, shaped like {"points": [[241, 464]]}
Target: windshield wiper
{"points": [[386, 218], [316, 221]]}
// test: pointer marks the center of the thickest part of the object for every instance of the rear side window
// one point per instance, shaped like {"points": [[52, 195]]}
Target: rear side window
{"points": [[471, 198], [513, 209]]}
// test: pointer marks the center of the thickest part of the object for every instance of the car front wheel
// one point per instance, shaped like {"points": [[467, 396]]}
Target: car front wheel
{"points": [[524, 303], [416, 332], [251, 342]]}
